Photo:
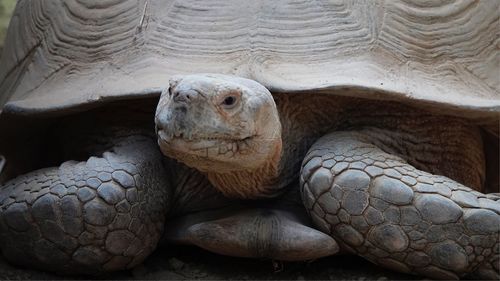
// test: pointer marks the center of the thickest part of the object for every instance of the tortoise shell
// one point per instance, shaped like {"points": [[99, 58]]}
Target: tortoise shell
{"points": [[61, 55]]}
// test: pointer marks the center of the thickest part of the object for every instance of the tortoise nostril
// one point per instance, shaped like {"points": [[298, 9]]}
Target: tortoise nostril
{"points": [[184, 96]]}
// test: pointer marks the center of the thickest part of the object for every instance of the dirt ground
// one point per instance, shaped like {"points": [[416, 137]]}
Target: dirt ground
{"points": [[189, 263]]}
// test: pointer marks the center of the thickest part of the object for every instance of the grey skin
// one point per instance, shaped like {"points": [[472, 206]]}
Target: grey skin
{"points": [[397, 185]]}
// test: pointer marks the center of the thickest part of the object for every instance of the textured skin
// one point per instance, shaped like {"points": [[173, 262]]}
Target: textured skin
{"points": [[103, 214], [382, 208]]}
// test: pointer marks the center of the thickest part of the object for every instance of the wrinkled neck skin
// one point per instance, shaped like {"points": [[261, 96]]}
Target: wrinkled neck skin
{"points": [[262, 182]]}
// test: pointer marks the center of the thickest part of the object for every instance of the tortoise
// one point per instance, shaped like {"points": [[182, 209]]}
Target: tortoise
{"points": [[284, 130]]}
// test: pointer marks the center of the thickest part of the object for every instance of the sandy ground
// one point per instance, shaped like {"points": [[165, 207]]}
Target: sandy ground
{"points": [[182, 263]]}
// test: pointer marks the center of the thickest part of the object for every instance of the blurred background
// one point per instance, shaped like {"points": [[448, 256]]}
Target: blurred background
{"points": [[6, 9]]}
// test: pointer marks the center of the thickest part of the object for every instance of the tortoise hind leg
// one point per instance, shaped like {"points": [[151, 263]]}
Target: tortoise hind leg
{"points": [[103, 214], [280, 234], [387, 211]]}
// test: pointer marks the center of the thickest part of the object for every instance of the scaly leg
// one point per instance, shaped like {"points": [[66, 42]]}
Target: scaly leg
{"points": [[103, 214], [378, 206]]}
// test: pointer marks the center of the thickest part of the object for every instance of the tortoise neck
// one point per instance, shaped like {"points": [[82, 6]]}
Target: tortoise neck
{"points": [[262, 182]]}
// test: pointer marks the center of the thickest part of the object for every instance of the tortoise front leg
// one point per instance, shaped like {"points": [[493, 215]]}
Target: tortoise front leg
{"points": [[103, 214], [387, 211]]}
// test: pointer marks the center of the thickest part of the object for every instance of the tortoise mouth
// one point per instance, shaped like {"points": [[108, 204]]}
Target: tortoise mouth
{"points": [[199, 138], [209, 154], [203, 146]]}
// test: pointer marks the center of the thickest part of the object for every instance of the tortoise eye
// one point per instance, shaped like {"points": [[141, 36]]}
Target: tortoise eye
{"points": [[229, 102]]}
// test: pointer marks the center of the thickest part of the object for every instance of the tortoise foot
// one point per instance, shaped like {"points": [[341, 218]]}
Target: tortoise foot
{"points": [[387, 211], [253, 233], [103, 214]]}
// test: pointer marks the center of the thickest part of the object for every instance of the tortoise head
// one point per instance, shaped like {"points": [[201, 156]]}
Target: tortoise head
{"points": [[218, 123]]}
